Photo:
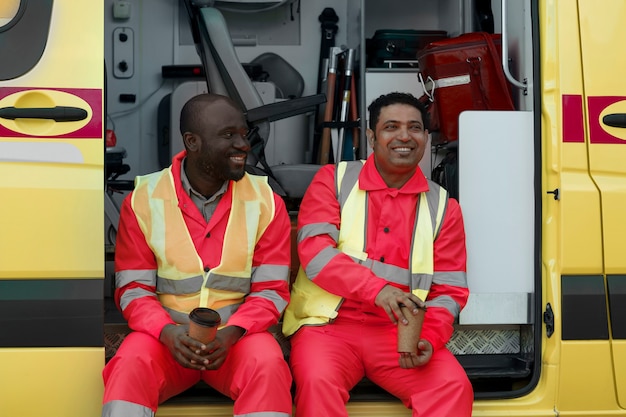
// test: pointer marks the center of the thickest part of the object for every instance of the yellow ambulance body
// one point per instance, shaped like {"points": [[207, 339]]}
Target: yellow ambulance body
{"points": [[51, 205], [52, 216]]}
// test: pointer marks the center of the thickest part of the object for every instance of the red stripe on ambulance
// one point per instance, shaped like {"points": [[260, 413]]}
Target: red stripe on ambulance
{"points": [[573, 127]]}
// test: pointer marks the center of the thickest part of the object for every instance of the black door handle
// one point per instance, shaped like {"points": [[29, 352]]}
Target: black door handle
{"points": [[615, 120], [58, 113]]}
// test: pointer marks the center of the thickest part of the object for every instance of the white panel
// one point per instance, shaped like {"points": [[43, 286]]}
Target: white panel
{"points": [[65, 153], [385, 81], [497, 308], [496, 193]]}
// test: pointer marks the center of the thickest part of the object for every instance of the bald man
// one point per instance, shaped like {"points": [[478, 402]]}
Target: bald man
{"points": [[202, 233]]}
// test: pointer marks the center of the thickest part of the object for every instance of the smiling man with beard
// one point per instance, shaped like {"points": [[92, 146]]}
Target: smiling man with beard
{"points": [[374, 236], [202, 233]]}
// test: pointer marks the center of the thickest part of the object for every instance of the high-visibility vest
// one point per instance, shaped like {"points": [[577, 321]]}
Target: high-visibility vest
{"points": [[182, 282], [311, 305]]}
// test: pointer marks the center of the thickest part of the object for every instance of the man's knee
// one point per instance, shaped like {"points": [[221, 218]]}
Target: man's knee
{"points": [[261, 355]]}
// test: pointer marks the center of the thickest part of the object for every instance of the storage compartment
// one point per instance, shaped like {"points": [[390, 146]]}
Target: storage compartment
{"points": [[393, 48]]}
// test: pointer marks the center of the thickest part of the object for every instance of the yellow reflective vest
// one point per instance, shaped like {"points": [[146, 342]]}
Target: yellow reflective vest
{"points": [[182, 283], [310, 304]]}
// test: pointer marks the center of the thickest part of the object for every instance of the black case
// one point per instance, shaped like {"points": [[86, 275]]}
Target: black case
{"points": [[398, 45]]}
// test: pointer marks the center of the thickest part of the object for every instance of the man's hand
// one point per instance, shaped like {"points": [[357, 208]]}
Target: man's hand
{"points": [[184, 349], [193, 354], [215, 352], [412, 360], [390, 298]]}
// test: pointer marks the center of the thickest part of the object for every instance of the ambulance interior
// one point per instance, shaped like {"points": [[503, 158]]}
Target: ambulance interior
{"points": [[159, 53]]}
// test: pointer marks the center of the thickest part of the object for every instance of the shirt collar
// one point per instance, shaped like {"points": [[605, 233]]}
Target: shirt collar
{"points": [[371, 180], [190, 190]]}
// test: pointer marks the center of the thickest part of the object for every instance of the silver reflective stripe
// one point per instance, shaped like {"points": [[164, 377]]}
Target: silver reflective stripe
{"points": [[456, 279], [397, 274], [421, 281], [317, 229], [391, 272], [273, 296], [320, 260], [227, 283], [432, 198], [179, 286], [227, 311], [133, 294], [177, 316], [349, 180], [142, 276], [436, 196], [119, 408], [446, 302], [263, 414], [368, 263], [267, 272]]}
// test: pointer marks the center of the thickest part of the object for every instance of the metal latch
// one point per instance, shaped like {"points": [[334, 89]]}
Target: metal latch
{"points": [[548, 319]]}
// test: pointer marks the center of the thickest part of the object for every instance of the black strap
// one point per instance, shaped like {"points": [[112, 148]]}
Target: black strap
{"points": [[328, 19], [257, 147]]}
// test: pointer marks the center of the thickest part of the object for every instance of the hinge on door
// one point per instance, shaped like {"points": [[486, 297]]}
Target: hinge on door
{"points": [[548, 319]]}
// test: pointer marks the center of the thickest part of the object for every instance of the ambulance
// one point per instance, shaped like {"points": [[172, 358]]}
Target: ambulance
{"points": [[90, 92]]}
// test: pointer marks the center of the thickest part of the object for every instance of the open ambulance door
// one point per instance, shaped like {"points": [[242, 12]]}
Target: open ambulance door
{"points": [[592, 197], [51, 210], [601, 30]]}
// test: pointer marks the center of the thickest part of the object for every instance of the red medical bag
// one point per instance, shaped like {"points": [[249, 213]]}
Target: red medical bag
{"points": [[462, 73]]}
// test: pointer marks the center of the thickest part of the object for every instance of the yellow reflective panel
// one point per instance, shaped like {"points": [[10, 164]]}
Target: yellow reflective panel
{"points": [[8, 10]]}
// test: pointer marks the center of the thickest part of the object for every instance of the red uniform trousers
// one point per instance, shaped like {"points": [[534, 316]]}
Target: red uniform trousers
{"points": [[327, 361], [255, 374]]}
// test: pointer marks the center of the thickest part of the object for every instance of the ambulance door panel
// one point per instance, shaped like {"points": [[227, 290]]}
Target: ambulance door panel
{"points": [[51, 207], [602, 32], [51, 148]]}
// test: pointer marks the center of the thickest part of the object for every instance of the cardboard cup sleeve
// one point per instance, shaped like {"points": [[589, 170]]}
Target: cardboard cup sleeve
{"points": [[409, 335], [203, 324]]}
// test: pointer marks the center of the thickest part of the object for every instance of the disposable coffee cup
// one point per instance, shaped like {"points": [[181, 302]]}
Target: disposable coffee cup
{"points": [[409, 334], [203, 324]]}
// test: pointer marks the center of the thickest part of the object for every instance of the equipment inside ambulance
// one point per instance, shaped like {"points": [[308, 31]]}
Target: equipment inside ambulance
{"points": [[226, 75]]}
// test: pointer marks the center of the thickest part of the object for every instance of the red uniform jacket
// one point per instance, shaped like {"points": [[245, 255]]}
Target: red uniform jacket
{"points": [[133, 257]]}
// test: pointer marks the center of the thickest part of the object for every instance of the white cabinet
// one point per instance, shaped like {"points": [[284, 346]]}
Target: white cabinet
{"points": [[496, 192]]}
